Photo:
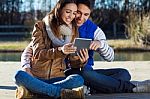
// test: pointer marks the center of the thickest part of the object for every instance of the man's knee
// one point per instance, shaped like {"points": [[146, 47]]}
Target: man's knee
{"points": [[126, 74]]}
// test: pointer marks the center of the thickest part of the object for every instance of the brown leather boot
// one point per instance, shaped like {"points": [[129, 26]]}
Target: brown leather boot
{"points": [[75, 93], [23, 93]]}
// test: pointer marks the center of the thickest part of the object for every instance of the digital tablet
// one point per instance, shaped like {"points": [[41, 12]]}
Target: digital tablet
{"points": [[82, 43]]}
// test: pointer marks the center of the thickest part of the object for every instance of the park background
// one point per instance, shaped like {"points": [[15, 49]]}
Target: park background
{"points": [[126, 24]]}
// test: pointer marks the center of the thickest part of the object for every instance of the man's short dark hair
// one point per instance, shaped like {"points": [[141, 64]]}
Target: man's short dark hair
{"points": [[85, 2]]}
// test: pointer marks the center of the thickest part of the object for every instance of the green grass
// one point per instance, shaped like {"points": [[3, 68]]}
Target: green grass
{"points": [[14, 45], [122, 43], [20, 45]]}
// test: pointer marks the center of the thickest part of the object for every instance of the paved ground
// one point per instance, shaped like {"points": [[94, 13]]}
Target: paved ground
{"points": [[140, 70]]}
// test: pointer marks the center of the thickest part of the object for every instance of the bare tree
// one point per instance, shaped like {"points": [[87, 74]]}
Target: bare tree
{"points": [[92, 3]]}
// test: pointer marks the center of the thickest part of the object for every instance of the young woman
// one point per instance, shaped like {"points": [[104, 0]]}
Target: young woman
{"points": [[51, 44]]}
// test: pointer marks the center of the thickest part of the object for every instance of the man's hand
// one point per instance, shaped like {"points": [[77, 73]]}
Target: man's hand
{"points": [[28, 70], [80, 59], [83, 55], [95, 45]]}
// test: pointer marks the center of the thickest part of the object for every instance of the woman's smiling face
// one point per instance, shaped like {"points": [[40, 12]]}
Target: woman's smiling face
{"points": [[68, 12]]}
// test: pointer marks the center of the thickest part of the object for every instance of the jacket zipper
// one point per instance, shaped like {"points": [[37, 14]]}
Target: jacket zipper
{"points": [[50, 67]]}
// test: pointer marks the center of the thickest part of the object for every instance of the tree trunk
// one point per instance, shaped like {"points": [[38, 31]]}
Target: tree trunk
{"points": [[92, 3]]}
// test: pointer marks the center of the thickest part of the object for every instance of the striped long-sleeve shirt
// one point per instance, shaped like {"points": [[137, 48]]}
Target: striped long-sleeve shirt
{"points": [[105, 50], [27, 56]]}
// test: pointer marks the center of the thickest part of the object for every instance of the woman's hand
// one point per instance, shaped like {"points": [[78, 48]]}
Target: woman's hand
{"points": [[28, 70], [68, 48], [83, 55]]}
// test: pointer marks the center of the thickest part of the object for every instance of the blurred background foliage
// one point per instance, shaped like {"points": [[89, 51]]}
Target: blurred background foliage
{"points": [[119, 19]]}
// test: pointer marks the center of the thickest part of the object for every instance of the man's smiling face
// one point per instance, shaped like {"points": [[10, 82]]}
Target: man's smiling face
{"points": [[82, 15]]}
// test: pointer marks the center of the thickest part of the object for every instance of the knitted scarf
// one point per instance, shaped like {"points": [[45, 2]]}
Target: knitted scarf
{"points": [[64, 30]]}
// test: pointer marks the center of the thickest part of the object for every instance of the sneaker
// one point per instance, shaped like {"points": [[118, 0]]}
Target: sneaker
{"points": [[75, 93], [86, 90], [142, 87], [23, 93]]}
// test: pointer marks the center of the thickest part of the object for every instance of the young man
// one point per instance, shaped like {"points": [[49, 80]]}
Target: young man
{"points": [[108, 80]]}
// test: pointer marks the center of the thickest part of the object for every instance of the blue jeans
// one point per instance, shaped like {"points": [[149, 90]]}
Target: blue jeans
{"points": [[106, 80], [51, 87]]}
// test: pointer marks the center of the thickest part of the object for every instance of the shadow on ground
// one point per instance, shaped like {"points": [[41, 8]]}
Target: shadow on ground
{"points": [[8, 87]]}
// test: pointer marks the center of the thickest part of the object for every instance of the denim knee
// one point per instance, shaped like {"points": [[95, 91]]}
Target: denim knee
{"points": [[127, 76], [77, 78], [17, 76]]}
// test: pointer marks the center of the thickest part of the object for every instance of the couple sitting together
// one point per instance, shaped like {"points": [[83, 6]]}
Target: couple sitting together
{"points": [[50, 69]]}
